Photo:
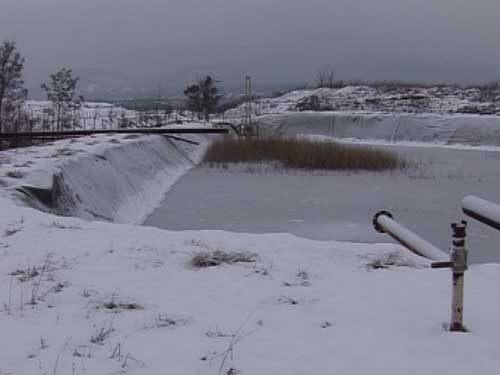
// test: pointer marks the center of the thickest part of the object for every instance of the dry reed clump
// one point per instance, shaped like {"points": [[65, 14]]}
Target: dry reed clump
{"points": [[303, 154], [206, 259]]}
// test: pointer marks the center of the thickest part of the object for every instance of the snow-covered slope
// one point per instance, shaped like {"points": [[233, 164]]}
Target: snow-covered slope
{"points": [[392, 99], [445, 129], [116, 178]]}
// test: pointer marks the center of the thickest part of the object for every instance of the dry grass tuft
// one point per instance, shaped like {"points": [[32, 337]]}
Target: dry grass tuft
{"points": [[205, 259], [303, 154], [388, 260]]}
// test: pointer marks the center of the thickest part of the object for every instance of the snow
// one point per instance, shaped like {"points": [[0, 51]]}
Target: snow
{"points": [[119, 298], [340, 318], [414, 242], [114, 178], [486, 210], [93, 115], [472, 130], [340, 205], [364, 99]]}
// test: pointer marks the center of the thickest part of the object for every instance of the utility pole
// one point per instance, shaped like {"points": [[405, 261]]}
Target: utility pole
{"points": [[249, 128]]}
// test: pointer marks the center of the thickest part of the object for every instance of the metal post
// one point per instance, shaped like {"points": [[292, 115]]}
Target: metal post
{"points": [[384, 223], [459, 260]]}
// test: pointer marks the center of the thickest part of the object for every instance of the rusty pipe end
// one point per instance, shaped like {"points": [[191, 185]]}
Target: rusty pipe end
{"points": [[376, 225]]}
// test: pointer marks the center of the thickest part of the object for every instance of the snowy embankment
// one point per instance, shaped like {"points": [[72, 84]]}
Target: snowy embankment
{"points": [[447, 129], [117, 178], [90, 297]]}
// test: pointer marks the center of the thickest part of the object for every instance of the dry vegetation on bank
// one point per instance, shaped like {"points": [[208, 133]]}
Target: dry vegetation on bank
{"points": [[294, 153]]}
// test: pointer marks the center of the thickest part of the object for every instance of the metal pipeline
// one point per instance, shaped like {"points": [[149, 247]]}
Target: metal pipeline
{"points": [[482, 210], [384, 223]]}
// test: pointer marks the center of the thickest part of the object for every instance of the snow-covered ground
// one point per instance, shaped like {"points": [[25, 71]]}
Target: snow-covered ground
{"points": [[91, 297], [92, 115], [437, 100]]}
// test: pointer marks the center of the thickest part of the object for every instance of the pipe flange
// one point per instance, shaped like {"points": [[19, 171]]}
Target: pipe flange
{"points": [[376, 225]]}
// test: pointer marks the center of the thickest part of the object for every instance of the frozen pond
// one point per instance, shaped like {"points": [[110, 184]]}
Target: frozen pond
{"points": [[340, 206]]}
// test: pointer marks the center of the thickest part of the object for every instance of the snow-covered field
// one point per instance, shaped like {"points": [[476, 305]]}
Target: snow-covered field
{"points": [[91, 297]]}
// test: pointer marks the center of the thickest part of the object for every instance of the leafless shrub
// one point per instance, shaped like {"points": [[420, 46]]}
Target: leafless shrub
{"points": [[204, 259]]}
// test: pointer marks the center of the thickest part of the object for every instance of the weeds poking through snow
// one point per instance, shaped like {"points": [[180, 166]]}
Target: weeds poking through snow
{"points": [[117, 352], [15, 174], [101, 334], [58, 225], [43, 343], [393, 259], [117, 306], [26, 274], [163, 320], [13, 228], [302, 274], [217, 334], [8, 306], [288, 300], [206, 259], [237, 337], [303, 279]]}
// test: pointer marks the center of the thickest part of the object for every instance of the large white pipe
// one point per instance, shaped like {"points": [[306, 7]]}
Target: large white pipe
{"points": [[408, 239], [482, 210]]}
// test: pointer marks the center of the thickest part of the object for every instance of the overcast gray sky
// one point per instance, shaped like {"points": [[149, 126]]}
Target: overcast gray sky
{"points": [[274, 40]]}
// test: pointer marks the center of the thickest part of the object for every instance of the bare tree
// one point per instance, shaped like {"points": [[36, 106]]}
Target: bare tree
{"points": [[12, 91], [61, 92]]}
